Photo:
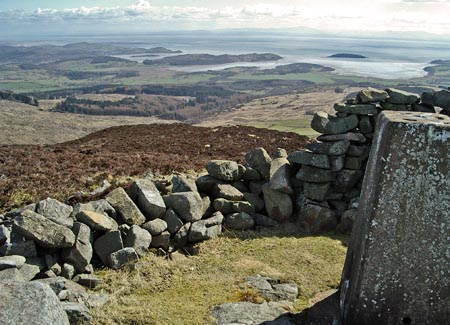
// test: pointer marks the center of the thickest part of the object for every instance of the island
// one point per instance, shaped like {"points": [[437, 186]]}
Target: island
{"points": [[209, 59], [348, 56]]}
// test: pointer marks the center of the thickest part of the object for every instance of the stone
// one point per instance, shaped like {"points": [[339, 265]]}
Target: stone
{"points": [[347, 220], [228, 207], [162, 240], [349, 136], [371, 95], [280, 174], [225, 170], [11, 274], [251, 174], [4, 234], [206, 229], [155, 227], [264, 221], [100, 206], [97, 221], [125, 207], [337, 163], [360, 109], [56, 211], [336, 148], [248, 313], [122, 257], [68, 271], [228, 192], [315, 175], [358, 151], [43, 231], [442, 99], [239, 221], [240, 186], [260, 160], [87, 280], [317, 219], [181, 237], [395, 107], [208, 208], [256, 187], [398, 253], [316, 191], [346, 179], [355, 163], [206, 183], [139, 239], [57, 284], [187, 205], [182, 183], [148, 199], [80, 254], [32, 303], [327, 124], [256, 201], [12, 261], [29, 271], [97, 300], [397, 96], [16, 244], [306, 157], [422, 108], [108, 243], [76, 312], [365, 125], [278, 205], [174, 223]]}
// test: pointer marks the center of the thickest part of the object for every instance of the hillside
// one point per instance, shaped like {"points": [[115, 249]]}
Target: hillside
{"points": [[209, 59]]}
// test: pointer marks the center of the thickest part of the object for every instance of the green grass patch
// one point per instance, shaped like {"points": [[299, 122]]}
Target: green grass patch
{"points": [[319, 78], [158, 291], [300, 126]]}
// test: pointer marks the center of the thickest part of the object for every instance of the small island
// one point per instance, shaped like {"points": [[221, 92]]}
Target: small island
{"points": [[348, 56], [208, 59]]}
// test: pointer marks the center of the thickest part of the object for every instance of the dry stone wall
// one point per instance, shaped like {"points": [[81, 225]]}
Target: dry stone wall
{"points": [[317, 187]]}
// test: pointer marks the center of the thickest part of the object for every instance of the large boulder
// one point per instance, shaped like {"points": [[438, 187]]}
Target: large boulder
{"points": [[155, 227], [80, 254], [371, 95], [327, 124], [182, 183], [280, 175], [225, 170], [76, 312], [146, 195], [100, 206], [187, 205], [239, 221], [125, 207], [32, 303], [259, 160], [316, 218], [228, 192], [174, 223], [278, 205], [56, 211], [97, 221], [397, 96], [43, 231], [206, 229], [13, 261], [122, 257], [108, 243], [139, 239]]}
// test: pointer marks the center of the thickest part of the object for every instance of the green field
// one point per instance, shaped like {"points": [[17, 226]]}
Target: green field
{"points": [[300, 126]]}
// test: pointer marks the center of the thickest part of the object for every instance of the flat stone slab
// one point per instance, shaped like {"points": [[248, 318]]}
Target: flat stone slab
{"points": [[396, 271]]}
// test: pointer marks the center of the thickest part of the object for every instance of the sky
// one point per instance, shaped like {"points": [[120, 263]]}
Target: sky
{"points": [[47, 17]]}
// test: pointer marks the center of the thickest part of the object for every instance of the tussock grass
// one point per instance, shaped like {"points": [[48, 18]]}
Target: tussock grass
{"points": [[156, 290]]}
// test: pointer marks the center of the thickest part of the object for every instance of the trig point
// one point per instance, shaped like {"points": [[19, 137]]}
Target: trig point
{"points": [[397, 269]]}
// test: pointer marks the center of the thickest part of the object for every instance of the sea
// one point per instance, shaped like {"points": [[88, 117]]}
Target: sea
{"points": [[386, 58]]}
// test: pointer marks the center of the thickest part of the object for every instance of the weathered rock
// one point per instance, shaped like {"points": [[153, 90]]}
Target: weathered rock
{"points": [[206, 229], [347, 220], [360, 109], [422, 108], [146, 195], [122, 257], [181, 237], [29, 271], [125, 207], [68, 271], [316, 191], [327, 124], [80, 254], [329, 148], [273, 290], [161, 241], [76, 312], [317, 219], [57, 284], [256, 187], [280, 174], [155, 227], [11, 274], [398, 254], [278, 205], [315, 175], [239, 221], [56, 211], [97, 221], [358, 151], [87, 280], [228, 207], [108, 243], [264, 221], [354, 163], [255, 200], [187, 205], [206, 183], [240, 186], [371, 95], [365, 125], [395, 107], [100, 206], [208, 208], [442, 99], [43, 231], [225, 170], [31, 303], [259, 160], [173, 222], [97, 300], [251, 174], [139, 239], [182, 183], [349, 136], [228, 192], [397, 96], [346, 179], [337, 163], [16, 244], [13, 261], [306, 157]]}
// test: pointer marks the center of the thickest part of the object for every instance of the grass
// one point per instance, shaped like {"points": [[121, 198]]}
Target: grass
{"points": [[301, 126], [318, 78], [159, 291]]}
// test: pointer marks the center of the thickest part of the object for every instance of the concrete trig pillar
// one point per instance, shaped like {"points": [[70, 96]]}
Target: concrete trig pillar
{"points": [[397, 269]]}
